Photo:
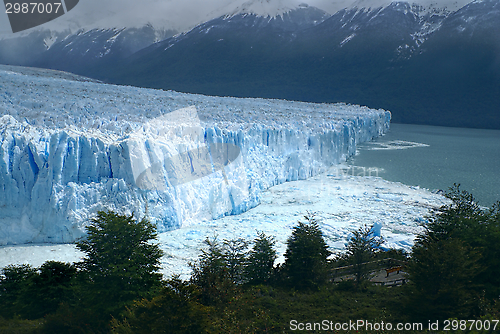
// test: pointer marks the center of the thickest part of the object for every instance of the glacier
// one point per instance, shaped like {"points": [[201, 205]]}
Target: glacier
{"points": [[70, 146], [343, 198]]}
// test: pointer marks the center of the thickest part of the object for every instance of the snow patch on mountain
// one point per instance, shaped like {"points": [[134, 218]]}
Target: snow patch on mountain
{"points": [[347, 39], [267, 8], [50, 40], [437, 6]]}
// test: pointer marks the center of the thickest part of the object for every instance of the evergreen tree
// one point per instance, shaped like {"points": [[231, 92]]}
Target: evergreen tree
{"points": [[306, 255], [234, 253], [14, 283], [121, 263], [456, 261], [261, 259], [211, 274], [362, 248]]}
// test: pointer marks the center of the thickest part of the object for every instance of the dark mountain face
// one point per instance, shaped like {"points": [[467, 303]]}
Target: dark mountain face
{"points": [[83, 52], [427, 67], [26, 49], [223, 50], [455, 79]]}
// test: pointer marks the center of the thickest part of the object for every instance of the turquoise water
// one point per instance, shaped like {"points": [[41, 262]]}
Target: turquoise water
{"points": [[436, 157]]}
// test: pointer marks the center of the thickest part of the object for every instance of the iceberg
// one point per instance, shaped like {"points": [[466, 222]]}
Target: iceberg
{"points": [[70, 147]]}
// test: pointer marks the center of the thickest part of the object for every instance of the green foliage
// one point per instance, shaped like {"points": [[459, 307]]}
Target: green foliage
{"points": [[19, 326], [211, 274], [362, 248], [306, 255], [35, 292], [454, 273], [234, 253], [444, 275], [70, 319], [51, 286], [173, 310], [269, 309], [261, 259], [14, 282], [455, 262], [121, 263]]}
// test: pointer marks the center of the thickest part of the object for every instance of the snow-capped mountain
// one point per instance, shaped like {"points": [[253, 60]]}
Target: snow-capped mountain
{"points": [[427, 5], [398, 56], [265, 8], [245, 26], [83, 51], [27, 48]]}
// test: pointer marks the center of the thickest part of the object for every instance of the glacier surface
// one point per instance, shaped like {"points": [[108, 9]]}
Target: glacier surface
{"points": [[70, 147], [343, 198]]}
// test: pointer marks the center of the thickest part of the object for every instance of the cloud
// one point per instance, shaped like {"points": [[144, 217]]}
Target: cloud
{"points": [[176, 14]]}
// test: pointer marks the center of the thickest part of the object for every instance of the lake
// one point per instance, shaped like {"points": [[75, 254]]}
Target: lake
{"points": [[436, 157]]}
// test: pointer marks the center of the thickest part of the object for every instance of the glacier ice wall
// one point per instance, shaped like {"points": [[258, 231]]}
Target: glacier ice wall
{"points": [[69, 148]]}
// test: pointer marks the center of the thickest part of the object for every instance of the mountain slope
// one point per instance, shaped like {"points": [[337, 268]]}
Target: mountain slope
{"points": [[83, 52], [241, 43]]}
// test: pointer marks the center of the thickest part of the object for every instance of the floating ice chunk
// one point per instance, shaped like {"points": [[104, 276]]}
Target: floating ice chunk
{"points": [[376, 228]]}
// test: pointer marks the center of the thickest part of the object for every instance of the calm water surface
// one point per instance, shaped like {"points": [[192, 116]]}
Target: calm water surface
{"points": [[436, 157]]}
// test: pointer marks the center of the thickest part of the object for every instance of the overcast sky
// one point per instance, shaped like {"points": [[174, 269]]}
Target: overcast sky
{"points": [[178, 14]]}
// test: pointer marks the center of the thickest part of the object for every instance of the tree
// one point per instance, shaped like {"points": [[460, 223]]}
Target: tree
{"points": [[456, 260], [174, 309], [443, 277], [211, 274], [34, 292], [234, 253], [48, 288], [261, 259], [306, 255], [479, 229], [13, 285], [360, 249], [121, 262]]}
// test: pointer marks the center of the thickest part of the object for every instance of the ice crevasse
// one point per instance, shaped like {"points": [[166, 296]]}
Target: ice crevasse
{"points": [[70, 147]]}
